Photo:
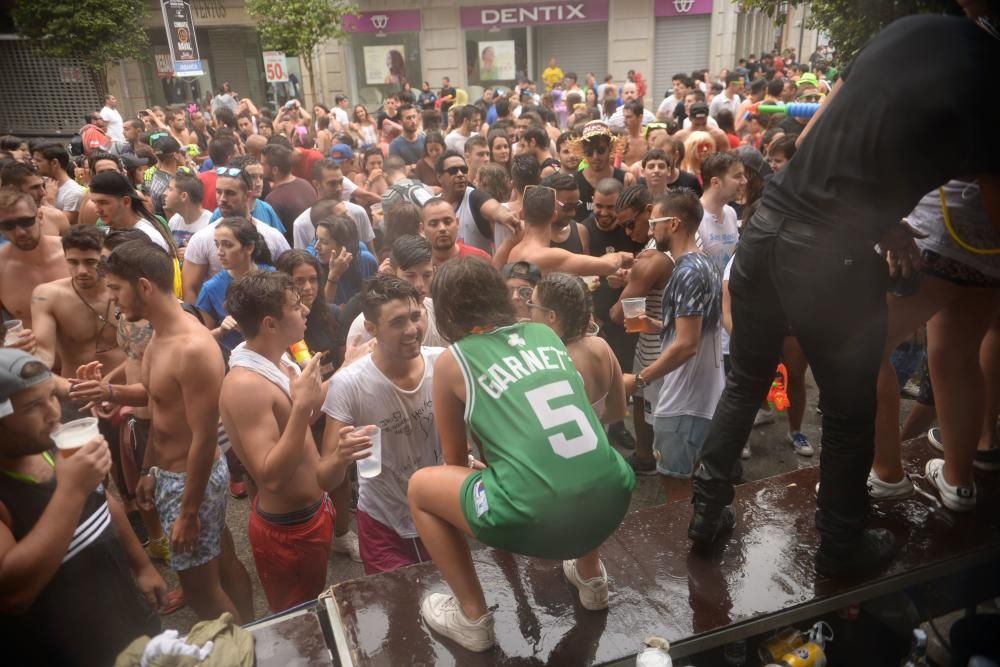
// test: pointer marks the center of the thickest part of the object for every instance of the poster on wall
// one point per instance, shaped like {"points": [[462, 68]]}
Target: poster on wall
{"points": [[181, 38], [496, 60], [385, 65]]}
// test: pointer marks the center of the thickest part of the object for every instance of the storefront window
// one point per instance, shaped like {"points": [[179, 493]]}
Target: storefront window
{"points": [[496, 57]]}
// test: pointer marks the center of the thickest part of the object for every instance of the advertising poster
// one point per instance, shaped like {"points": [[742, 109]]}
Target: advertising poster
{"points": [[496, 61], [385, 65], [181, 38]]}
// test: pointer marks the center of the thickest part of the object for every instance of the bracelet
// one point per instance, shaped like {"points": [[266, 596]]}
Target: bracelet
{"points": [[111, 394], [143, 472]]}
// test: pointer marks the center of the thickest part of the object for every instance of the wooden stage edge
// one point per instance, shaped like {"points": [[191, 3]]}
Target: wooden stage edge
{"points": [[758, 579]]}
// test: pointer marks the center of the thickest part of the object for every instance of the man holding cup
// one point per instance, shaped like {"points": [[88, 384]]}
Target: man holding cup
{"points": [[380, 408], [267, 406], [64, 541], [26, 261]]}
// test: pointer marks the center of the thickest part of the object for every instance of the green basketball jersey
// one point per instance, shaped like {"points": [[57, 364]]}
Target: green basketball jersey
{"points": [[548, 457]]}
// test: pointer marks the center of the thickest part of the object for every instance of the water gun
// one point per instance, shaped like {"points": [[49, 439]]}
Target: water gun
{"points": [[777, 396], [300, 351], [795, 109]]}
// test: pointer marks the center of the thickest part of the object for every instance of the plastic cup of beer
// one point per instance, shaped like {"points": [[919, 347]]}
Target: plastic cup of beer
{"points": [[73, 435], [634, 310], [12, 332], [371, 466]]}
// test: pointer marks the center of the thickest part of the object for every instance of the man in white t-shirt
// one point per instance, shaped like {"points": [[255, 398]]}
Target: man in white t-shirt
{"points": [[690, 360], [464, 120], [328, 179], [728, 98], [201, 261], [722, 177], [412, 261], [391, 388], [184, 196], [120, 207], [339, 111], [111, 116], [682, 83]]}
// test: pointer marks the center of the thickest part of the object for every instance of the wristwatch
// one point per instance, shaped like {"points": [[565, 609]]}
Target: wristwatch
{"points": [[640, 383]]}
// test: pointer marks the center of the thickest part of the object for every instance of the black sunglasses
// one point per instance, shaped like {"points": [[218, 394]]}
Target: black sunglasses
{"points": [[453, 171], [23, 223], [599, 150], [569, 207]]}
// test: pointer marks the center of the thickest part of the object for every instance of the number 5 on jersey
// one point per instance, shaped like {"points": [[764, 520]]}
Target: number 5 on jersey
{"points": [[551, 417]]}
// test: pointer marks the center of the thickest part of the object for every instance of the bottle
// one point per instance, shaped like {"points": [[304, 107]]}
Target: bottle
{"points": [[300, 351], [918, 650], [809, 654]]}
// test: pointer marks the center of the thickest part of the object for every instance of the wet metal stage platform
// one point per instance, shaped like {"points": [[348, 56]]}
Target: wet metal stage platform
{"points": [[760, 579]]}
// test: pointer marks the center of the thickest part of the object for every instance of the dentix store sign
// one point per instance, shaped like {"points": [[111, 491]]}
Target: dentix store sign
{"points": [[521, 15]]}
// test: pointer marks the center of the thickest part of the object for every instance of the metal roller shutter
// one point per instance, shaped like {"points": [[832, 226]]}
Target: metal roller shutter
{"points": [[579, 48], [229, 61], [682, 44]]}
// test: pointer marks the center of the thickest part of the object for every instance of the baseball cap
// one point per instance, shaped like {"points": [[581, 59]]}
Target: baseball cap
{"points": [[522, 271], [112, 183], [132, 161], [699, 110], [752, 159], [341, 152], [12, 376], [165, 145], [808, 79]]}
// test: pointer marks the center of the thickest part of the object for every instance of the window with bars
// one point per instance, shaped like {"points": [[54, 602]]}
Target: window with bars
{"points": [[43, 96]]}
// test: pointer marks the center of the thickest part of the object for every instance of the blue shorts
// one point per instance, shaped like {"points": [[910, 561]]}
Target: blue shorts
{"points": [[211, 514], [677, 444]]}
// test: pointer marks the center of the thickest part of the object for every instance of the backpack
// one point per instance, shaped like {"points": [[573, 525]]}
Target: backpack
{"points": [[411, 191], [75, 146]]}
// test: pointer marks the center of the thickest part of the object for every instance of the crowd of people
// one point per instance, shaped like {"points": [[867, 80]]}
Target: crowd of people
{"points": [[478, 294]]}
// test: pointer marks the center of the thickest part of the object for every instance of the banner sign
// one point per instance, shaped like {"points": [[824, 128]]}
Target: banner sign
{"points": [[275, 67], [181, 38]]}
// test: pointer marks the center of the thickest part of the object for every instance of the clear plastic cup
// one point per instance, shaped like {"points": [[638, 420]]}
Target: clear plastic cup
{"points": [[634, 309], [12, 331], [75, 434], [371, 466]]}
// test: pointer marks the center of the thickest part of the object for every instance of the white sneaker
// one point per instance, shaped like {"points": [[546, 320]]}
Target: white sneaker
{"points": [[763, 417], [800, 443], [935, 439], [745, 452], [955, 498], [881, 490], [593, 592], [347, 544], [445, 616]]}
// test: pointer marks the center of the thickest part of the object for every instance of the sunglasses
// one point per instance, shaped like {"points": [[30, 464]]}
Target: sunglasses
{"points": [[571, 206], [666, 218], [456, 170], [23, 223], [524, 293], [600, 149], [532, 304], [230, 171]]}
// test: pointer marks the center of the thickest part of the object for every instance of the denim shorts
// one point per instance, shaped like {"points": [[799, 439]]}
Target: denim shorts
{"points": [[677, 444]]}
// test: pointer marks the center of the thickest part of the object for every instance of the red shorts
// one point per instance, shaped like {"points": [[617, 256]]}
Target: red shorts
{"points": [[383, 550], [291, 560]]}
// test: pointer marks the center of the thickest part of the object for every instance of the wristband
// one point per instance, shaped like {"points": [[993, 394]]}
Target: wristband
{"points": [[111, 394]]}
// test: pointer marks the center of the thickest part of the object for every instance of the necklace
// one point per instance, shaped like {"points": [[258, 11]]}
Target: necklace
{"points": [[102, 319]]}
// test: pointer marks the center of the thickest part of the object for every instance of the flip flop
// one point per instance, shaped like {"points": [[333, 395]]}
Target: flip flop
{"points": [[175, 601]]}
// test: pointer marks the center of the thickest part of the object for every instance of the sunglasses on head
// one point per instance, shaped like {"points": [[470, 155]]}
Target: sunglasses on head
{"points": [[24, 223], [229, 171], [570, 206], [457, 169]]}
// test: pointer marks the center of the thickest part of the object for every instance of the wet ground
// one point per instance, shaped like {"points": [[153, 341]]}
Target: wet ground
{"points": [[771, 455]]}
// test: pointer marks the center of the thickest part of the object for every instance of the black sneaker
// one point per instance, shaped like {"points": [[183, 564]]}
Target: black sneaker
{"points": [[138, 527], [874, 550], [641, 466], [709, 522], [987, 459], [619, 435]]}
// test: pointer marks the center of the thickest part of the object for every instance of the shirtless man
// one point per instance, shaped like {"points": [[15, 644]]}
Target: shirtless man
{"points": [[267, 406], [539, 212], [636, 146], [72, 317], [181, 375], [28, 260], [20, 177]]}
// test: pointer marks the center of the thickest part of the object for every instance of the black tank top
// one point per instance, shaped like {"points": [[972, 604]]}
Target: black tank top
{"points": [[90, 610], [572, 242], [586, 206]]}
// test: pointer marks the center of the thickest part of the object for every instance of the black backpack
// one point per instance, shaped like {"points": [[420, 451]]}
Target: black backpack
{"points": [[75, 145]]}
